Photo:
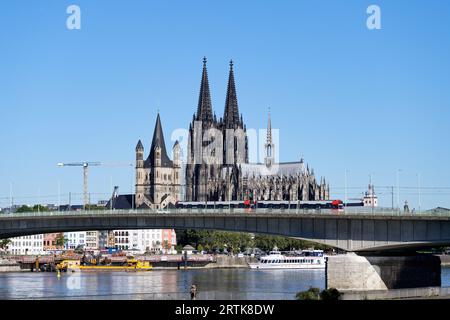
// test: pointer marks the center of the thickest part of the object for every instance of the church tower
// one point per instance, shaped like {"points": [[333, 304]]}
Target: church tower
{"points": [[205, 181], [140, 171], [197, 173], [158, 177], [204, 108], [233, 129], [269, 146]]}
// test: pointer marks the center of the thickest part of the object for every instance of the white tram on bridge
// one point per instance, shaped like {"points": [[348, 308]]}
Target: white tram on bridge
{"points": [[247, 204]]}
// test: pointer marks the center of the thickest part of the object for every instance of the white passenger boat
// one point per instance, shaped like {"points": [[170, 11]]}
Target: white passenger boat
{"points": [[307, 259]]}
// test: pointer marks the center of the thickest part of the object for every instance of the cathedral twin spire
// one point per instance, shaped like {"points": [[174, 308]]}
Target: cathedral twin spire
{"points": [[231, 118], [204, 109], [231, 114]]}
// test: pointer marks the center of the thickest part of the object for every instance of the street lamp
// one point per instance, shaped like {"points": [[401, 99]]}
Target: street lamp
{"points": [[418, 186], [10, 197], [59, 195], [345, 196], [371, 193], [398, 189], [39, 200]]}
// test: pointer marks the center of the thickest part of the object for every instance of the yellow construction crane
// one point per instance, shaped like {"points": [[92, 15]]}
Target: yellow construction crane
{"points": [[85, 166]]}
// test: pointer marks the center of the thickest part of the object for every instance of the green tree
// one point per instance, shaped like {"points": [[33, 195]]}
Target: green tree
{"points": [[95, 207], [238, 241], [311, 294], [267, 243], [179, 248], [24, 209], [41, 208], [61, 240], [4, 243], [34, 208], [166, 245], [330, 294]]}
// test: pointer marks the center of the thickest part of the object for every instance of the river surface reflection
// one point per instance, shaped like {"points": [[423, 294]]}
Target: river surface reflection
{"points": [[161, 284], [166, 284]]}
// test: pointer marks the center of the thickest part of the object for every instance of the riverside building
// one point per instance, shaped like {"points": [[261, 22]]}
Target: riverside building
{"points": [[27, 245]]}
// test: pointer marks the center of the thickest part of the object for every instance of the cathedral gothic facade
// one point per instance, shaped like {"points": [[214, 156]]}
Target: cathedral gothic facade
{"points": [[238, 179], [222, 173]]}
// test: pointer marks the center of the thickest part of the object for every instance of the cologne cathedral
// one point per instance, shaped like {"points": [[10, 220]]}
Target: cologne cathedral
{"points": [[238, 179], [229, 176]]}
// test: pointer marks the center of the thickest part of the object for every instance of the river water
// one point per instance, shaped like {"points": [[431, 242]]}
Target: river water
{"points": [[166, 284]]}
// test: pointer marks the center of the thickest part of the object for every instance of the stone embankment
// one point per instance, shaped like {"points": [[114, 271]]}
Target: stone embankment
{"points": [[13, 264], [445, 260], [400, 294], [403, 294], [224, 262], [7, 265]]}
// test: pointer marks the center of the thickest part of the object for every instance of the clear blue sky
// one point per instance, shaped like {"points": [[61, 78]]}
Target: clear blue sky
{"points": [[342, 95]]}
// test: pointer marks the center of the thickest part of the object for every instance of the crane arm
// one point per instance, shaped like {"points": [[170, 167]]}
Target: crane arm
{"points": [[85, 166], [116, 164], [79, 164], [105, 164]]}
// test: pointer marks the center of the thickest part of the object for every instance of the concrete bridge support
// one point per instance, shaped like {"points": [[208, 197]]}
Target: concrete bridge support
{"points": [[352, 272]]}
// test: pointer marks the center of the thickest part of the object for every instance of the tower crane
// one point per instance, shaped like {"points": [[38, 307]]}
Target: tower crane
{"points": [[85, 166]]}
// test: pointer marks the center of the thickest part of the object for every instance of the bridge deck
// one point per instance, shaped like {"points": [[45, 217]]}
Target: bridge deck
{"points": [[350, 230], [370, 213]]}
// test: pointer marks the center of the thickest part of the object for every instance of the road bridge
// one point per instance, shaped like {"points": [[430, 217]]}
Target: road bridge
{"points": [[355, 230], [363, 232]]}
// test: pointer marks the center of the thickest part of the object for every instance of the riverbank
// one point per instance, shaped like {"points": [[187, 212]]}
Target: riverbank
{"points": [[222, 262], [7, 265], [445, 260], [24, 264], [398, 294]]}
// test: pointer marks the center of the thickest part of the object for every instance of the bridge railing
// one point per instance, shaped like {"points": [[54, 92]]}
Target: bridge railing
{"points": [[363, 211]]}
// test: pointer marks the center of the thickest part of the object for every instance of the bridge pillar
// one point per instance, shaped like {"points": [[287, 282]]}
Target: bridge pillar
{"points": [[352, 272]]}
